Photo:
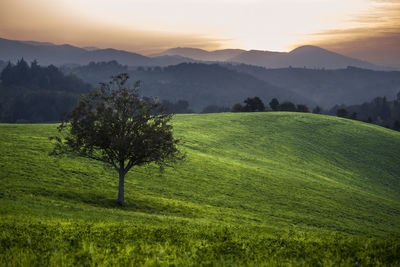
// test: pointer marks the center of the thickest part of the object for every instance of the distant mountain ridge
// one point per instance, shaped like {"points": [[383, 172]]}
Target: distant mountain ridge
{"points": [[202, 55], [48, 53], [305, 56]]}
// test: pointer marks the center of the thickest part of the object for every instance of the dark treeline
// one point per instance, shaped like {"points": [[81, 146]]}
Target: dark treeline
{"points": [[31, 93], [179, 107], [379, 111], [3, 64], [255, 104], [96, 72]]}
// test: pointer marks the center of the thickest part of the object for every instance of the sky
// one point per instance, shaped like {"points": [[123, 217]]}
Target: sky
{"points": [[365, 29]]}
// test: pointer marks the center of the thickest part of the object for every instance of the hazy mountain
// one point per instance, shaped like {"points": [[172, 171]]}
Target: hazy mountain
{"points": [[37, 43], [329, 87], [223, 84], [170, 60], [199, 84], [209, 84], [200, 54], [3, 64], [304, 56], [90, 48], [48, 53]]}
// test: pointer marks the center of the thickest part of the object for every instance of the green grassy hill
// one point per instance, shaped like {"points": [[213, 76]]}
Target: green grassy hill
{"points": [[256, 188]]}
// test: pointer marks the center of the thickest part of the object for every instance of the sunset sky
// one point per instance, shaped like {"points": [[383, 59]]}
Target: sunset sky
{"points": [[366, 29]]}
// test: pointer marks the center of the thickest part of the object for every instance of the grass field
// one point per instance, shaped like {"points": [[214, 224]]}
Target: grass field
{"points": [[269, 188]]}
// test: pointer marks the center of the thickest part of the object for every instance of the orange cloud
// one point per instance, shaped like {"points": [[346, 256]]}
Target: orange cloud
{"points": [[23, 20], [148, 26], [374, 35]]}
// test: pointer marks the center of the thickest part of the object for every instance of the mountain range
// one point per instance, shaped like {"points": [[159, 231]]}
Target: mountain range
{"points": [[48, 53], [305, 56], [193, 75]]}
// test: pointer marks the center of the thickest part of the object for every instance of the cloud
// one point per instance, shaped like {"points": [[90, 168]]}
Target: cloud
{"points": [[373, 35], [45, 21]]}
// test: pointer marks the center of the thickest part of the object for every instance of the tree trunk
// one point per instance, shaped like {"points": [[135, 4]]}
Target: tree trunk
{"points": [[121, 187]]}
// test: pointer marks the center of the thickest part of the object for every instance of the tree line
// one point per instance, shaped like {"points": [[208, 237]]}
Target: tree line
{"points": [[32, 93], [255, 104], [379, 111]]}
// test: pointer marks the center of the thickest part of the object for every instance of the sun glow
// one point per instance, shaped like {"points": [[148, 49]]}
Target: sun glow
{"points": [[154, 25]]}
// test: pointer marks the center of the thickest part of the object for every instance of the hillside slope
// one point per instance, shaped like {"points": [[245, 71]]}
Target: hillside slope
{"points": [[269, 168], [256, 173]]}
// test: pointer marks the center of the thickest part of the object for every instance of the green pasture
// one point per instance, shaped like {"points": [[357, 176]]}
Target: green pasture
{"points": [[272, 188]]}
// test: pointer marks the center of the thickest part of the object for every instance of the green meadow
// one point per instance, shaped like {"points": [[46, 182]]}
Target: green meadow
{"points": [[256, 189]]}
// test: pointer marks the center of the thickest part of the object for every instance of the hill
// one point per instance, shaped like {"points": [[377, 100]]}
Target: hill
{"points": [[256, 188], [208, 84], [199, 84]]}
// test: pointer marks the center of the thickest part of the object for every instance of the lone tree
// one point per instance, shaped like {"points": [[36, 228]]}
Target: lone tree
{"points": [[253, 104], [274, 104], [116, 126]]}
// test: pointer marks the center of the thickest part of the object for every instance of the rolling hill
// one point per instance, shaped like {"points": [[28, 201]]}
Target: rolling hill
{"points": [[256, 188]]}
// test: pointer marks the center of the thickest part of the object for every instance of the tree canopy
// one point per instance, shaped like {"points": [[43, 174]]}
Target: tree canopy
{"points": [[274, 104], [253, 104], [116, 126]]}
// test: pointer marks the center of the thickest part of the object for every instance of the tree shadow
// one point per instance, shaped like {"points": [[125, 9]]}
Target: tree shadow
{"points": [[147, 205]]}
